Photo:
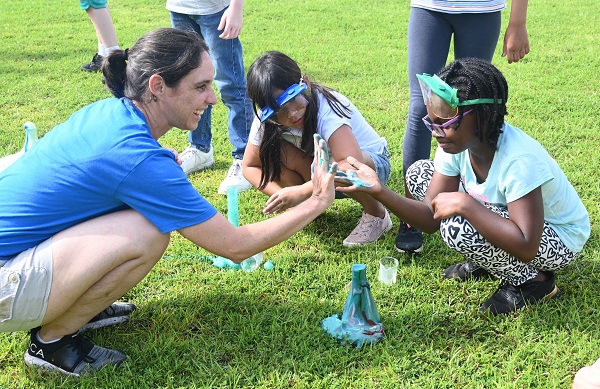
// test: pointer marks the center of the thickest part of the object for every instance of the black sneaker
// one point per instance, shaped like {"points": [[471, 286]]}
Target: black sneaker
{"points": [[115, 314], [509, 298], [95, 65], [466, 271], [409, 239], [72, 355]]}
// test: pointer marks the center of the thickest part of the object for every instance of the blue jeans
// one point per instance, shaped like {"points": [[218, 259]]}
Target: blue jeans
{"points": [[230, 79], [429, 35]]}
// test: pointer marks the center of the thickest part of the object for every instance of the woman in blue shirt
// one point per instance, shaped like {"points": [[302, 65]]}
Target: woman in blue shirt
{"points": [[88, 212]]}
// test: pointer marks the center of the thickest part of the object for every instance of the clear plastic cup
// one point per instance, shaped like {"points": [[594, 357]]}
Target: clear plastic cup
{"points": [[252, 263], [388, 268]]}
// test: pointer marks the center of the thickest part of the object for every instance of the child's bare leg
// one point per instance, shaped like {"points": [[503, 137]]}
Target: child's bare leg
{"points": [[296, 166]]}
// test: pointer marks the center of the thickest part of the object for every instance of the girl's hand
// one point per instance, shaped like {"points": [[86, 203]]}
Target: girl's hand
{"points": [[322, 183], [283, 199], [516, 43], [231, 23], [448, 204], [367, 175]]}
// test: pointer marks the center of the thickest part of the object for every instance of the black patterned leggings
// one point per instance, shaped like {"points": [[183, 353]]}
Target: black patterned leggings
{"points": [[461, 236]]}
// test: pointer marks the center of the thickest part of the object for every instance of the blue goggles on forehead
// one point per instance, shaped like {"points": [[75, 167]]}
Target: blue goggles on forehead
{"points": [[288, 95]]}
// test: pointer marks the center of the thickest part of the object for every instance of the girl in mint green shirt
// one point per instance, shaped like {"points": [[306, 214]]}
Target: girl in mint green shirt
{"points": [[493, 192]]}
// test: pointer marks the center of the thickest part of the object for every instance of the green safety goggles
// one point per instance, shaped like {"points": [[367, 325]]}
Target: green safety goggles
{"points": [[442, 99]]}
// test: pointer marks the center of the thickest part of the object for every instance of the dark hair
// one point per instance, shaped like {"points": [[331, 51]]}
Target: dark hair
{"points": [[275, 70], [170, 52], [478, 79]]}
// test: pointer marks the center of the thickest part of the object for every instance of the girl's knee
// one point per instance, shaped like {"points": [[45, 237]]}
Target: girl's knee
{"points": [[418, 176], [450, 232]]}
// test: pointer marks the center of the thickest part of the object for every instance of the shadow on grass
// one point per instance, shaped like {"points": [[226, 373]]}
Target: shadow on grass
{"points": [[249, 338]]}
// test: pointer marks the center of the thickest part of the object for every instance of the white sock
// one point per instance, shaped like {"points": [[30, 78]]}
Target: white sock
{"points": [[37, 336], [101, 49], [111, 49]]}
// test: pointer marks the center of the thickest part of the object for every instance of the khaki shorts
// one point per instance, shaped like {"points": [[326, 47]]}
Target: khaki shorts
{"points": [[25, 282]]}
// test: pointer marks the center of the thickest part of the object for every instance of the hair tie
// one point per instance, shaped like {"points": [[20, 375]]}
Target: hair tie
{"points": [[126, 54]]}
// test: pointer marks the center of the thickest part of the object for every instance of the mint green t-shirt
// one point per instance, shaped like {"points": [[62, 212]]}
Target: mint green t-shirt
{"points": [[520, 165]]}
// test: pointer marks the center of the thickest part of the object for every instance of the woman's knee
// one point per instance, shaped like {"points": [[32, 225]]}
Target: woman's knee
{"points": [[122, 234], [147, 237]]}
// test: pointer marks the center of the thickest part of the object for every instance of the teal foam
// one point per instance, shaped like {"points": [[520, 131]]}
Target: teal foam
{"points": [[225, 263], [360, 323], [233, 215], [348, 333], [269, 265], [249, 264]]}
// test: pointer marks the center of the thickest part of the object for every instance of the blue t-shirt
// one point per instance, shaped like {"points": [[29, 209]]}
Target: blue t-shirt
{"points": [[101, 160], [520, 165]]}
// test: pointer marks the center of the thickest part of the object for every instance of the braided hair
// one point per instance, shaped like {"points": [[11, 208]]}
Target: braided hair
{"points": [[478, 79], [275, 70]]}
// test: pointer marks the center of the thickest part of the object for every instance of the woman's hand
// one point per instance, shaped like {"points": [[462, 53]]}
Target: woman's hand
{"points": [[323, 173], [368, 180], [516, 43], [321, 183]]}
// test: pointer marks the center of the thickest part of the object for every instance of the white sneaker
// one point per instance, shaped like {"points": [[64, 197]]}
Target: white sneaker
{"points": [[369, 229], [235, 177], [193, 159]]}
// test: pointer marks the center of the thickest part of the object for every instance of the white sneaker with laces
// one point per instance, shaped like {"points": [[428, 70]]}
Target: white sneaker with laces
{"points": [[235, 177], [369, 229], [192, 159]]}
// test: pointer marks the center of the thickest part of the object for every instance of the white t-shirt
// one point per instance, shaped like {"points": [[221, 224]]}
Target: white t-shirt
{"points": [[327, 123], [197, 7], [520, 165]]}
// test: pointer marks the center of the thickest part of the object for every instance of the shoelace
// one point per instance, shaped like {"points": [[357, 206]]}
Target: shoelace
{"points": [[364, 225], [234, 169], [404, 227], [81, 346], [508, 290]]}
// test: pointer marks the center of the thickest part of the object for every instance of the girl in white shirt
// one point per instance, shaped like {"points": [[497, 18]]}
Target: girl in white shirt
{"points": [[290, 109]]}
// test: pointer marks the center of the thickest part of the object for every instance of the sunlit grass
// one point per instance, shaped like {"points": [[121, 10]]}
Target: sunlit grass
{"points": [[198, 326]]}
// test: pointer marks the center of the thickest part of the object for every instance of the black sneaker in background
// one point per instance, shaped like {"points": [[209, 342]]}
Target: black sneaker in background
{"points": [[117, 313], [409, 239], [72, 355], [94, 65], [465, 271], [509, 298]]}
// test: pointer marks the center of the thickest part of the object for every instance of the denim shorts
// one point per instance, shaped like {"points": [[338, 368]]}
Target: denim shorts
{"points": [[382, 164], [382, 168], [25, 282], [85, 4]]}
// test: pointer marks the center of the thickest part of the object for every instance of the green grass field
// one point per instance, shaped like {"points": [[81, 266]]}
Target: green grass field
{"points": [[198, 326]]}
